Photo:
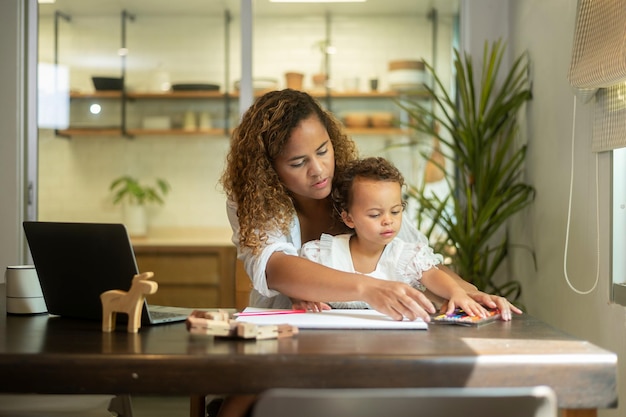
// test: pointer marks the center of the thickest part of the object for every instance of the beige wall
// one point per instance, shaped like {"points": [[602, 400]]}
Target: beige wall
{"points": [[545, 30], [566, 298]]}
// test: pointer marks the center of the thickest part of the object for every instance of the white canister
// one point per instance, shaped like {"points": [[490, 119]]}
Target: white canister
{"points": [[189, 121], [406, 75], [23, 290], [204, 121]]}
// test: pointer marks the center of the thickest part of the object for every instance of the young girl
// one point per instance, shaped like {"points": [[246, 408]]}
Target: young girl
{"points": [[368, 197]]}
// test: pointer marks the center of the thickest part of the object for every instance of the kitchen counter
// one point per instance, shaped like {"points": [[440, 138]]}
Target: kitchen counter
{"points": [[194, 267], [185, 236]]}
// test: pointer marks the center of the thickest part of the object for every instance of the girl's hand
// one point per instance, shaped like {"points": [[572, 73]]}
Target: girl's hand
{"points": [[309, 305], [461, 299]]}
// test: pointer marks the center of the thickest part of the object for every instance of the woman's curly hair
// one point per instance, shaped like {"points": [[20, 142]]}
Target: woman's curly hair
{"points": [[263, 202], [374, 168]]}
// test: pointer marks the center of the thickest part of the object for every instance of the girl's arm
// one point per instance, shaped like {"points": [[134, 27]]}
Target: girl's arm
{"points": [[489, 300], [444, 285], [409, 233]]}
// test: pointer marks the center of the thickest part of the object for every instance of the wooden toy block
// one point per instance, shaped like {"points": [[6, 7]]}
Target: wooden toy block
{"points": [[286, 330], [128, 302], [211, 327], [247, 330], [221, 324], [220, 315]]}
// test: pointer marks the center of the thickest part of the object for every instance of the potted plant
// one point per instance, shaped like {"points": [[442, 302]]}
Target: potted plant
{"points": [[482, 165], [135, 196]]}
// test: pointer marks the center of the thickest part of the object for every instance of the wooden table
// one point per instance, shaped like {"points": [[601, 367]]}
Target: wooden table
{"points": [[60, 356]]}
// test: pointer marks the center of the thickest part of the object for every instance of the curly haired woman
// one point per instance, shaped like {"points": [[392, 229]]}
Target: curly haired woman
{"points": [[278, 181]]}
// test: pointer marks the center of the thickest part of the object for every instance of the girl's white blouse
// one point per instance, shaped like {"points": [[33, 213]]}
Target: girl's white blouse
{"points": [[400, 261], [290, 244]]}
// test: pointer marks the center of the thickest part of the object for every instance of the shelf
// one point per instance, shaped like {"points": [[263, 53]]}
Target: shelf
{"points": [[369, 94], [91, 131], [376, 131], [96, 94], [235, 94], [177, 132], [177, 95], [218, 95]]}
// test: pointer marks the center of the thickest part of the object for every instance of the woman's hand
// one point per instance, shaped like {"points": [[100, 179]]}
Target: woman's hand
{"points": [[309, 305], [396, 299]]}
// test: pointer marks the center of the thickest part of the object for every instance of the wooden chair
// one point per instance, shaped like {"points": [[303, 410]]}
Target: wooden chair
{"points": [[408, 402]]}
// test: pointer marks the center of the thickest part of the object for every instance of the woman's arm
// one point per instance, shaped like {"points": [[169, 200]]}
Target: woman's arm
{"points": [[278, 270], [303, 279]]}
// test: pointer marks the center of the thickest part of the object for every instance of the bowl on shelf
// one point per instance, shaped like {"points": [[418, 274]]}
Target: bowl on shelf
{"points": [[107, 83], [356, 119], [381, 119], [260, 84]]}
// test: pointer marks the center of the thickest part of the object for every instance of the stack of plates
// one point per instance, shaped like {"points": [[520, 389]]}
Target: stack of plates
{"points": [[261, 84], [195, 87]]}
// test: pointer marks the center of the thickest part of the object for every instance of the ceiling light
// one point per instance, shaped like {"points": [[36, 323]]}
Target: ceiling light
{"points": [[46, 1]]}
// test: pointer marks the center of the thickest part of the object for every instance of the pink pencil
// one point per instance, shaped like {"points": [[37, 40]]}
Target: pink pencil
{"points": [[268, 313]]}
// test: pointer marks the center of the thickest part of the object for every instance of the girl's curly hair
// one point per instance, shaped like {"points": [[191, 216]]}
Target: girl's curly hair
{"points": [[374, 168], [263, 202]]}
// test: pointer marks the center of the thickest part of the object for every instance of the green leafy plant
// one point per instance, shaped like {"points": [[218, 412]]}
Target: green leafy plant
{"points": [[487, 184], [127, 188]]}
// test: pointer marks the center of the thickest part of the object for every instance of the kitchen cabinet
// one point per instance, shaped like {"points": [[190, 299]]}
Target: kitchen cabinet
{"points": [[194, 268]]}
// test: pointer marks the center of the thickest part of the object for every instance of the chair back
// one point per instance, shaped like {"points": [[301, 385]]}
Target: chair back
{"points": [[408, 402]]}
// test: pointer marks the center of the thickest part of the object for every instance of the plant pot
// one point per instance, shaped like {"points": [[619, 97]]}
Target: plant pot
{"points": [[135, 220], [319, 81], [294, 80]]}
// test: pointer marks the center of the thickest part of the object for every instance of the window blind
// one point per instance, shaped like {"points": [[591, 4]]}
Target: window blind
{"points": [[598, 68]]}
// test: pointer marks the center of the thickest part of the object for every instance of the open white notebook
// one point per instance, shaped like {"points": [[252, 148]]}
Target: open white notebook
{"points": [[331, 319]]}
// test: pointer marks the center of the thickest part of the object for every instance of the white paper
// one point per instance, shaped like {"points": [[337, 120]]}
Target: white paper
{"points": [[333, 319]]}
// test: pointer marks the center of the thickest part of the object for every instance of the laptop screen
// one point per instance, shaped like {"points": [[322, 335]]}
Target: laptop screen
{"points": [[76, 262]]}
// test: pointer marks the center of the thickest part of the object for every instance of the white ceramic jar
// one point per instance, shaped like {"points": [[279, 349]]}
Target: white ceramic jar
{"points": [[406, 75]]}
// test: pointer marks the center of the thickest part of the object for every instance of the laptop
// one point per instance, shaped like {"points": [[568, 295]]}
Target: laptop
{"points": [[76, 262]]}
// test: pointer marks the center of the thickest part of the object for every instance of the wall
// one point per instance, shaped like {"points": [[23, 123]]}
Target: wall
{"points": [[12, 134], [545, 30], [75, 173]]}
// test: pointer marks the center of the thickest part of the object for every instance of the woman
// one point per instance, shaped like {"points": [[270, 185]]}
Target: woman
{"points": [[278, 181]]}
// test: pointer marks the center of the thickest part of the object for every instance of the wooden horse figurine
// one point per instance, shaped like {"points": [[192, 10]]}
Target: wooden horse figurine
{"points": [[131, 302]]}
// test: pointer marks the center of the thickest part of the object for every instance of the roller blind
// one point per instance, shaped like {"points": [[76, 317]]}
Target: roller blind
{"points": [[598, 68]]}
